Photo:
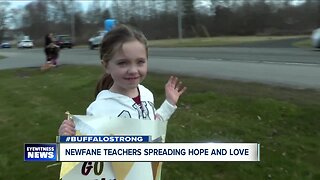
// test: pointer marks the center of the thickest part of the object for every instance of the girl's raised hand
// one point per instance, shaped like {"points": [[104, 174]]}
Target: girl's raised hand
{"points": [[174, 89]]}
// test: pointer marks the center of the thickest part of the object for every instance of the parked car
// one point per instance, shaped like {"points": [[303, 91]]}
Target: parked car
{"points": [[315, 37], [5, 45], [95, 41], [63, 41], [25, 44]]}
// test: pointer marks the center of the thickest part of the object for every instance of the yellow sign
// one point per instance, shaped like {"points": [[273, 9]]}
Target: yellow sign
{"points": [[92, 125]]}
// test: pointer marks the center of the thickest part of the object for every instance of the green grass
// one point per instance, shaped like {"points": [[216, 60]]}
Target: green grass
{"points": [[303, 43], [215, 41], [284, 121], [2, 57]]}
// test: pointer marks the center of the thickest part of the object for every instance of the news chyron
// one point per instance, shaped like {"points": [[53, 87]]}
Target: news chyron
{"points": [[40, 152]]}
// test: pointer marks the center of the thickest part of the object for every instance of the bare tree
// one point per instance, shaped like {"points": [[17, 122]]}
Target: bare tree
{"points": [[35, 19], [158, 18], [189, 19], [4, 16], [96, 15]]}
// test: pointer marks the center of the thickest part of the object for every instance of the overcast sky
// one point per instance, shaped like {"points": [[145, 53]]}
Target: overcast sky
{"points": [[85, 3], [22, 3]]}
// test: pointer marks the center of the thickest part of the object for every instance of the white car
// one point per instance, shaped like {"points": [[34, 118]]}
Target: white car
{"points": [[25, 44], [315, 37], [96, 40]]}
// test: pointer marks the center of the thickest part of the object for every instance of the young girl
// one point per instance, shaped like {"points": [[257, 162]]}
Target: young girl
{"points": [[124, 56], [53, 54], [51, 51], [48, 39]]}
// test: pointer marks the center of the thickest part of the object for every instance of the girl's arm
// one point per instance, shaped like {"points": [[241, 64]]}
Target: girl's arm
{"points": [[174, 89]]}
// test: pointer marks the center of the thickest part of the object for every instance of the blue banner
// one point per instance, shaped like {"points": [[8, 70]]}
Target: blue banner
{"points": [[40, 152], [103, 139]]}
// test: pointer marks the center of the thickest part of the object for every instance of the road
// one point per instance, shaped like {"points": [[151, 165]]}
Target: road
{"points": [[293, 67]]}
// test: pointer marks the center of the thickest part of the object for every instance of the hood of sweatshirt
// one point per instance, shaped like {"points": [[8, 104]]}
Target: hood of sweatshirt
{"points": [[107, 94]]}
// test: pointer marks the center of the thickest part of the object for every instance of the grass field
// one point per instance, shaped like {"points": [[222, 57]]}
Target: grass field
{"points": [[284, 121], [303, 43], [216, 41], [220, 41]]}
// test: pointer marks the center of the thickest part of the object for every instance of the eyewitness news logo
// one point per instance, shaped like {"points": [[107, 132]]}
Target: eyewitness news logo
{"points": [[40, 152], [103, 139]]}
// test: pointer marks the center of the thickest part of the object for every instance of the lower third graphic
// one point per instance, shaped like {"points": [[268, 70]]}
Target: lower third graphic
{"points": [[40, 152]]}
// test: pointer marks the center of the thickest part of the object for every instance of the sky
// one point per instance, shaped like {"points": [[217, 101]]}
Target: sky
{"points": [[85, 3], [22, 3]]}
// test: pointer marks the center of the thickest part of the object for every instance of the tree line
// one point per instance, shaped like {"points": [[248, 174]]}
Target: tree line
{"points": [[159, 18]]}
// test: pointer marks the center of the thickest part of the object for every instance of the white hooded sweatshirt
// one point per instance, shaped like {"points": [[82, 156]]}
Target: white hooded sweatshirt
{"points": [[109, 103]]}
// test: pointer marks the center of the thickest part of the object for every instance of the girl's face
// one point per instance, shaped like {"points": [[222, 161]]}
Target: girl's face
{"points": [[128, 67]]}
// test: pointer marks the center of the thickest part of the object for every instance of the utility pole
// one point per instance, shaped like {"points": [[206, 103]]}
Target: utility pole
{"points": [[179, 8], [73, 36]]}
